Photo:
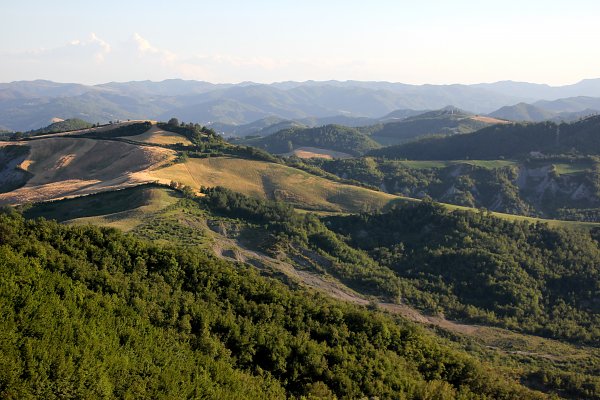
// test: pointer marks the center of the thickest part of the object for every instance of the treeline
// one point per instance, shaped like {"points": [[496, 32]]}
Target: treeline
{"points": [[194, 132], [72, 124], [136, 128], [504, 141], [90, 312]]}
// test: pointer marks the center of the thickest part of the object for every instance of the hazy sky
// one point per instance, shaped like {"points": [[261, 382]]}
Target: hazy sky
{"points": [[457, 41]]}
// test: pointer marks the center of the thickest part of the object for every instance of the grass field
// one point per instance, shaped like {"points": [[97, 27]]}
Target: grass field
{"points": [[533, 220], [275, 182], [427, 164], [571, 168], [155, 135], [123, 209]]}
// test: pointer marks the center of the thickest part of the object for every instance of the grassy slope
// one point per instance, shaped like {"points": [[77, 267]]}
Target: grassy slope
{"points": [[275, 181], [155, 135], [330, 137], [299, 188], [123, 209], [426, 164]]}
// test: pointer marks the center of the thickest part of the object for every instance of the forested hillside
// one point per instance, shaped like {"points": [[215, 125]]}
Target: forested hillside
{"points": [[518, 275], [505, 141], [447, 121], [563, 187], [329, 137], [90, 312], [467, 265], [72, 124]]}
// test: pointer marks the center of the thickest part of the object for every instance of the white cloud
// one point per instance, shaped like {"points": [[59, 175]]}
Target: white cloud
{"points": [[104, 47], [94, 60]]}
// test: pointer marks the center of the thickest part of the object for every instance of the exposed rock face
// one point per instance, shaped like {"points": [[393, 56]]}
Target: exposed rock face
{"points": [[540, 184]]}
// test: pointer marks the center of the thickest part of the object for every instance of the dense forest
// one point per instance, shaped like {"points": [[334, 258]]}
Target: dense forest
{"points": [[330, 137], [505, 141], [467, 265], [91, 312], [515, 274]]}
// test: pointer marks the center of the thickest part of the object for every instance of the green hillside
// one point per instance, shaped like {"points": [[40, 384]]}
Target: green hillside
{"points": [[328, 137], [505, 141], [101, 314], [404, 267], [72, 124], [558, 187], [523, 112], [447, 121]]}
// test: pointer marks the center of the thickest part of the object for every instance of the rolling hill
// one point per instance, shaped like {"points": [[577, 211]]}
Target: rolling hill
{"points": [[65, 165], [73, 124], [570, 104], [329, 137], [261, 127], [30, 105], [505, 141], [447, 121], [275, 182], [569, 109], [523, 112]]}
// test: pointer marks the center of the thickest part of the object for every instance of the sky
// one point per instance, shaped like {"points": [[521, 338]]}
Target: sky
{"points": [[418, 42]]}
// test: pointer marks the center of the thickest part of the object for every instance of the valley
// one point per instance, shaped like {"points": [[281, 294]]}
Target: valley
{"points": [[316, 200], [448, 243]]}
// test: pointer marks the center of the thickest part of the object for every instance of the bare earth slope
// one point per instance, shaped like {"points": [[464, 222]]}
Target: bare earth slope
{"points": [[66, 167]]}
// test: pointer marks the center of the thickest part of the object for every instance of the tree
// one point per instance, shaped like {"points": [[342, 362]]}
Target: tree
{"points": [[173, 122], [17, 136]]}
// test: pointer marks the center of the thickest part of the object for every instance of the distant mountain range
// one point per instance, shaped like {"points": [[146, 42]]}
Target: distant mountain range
{"points": [[568, 109], [27, 105]]}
